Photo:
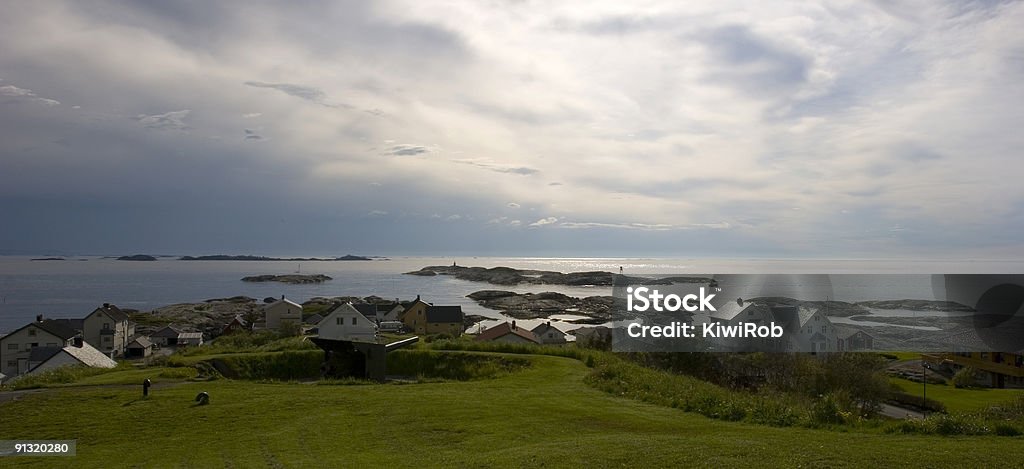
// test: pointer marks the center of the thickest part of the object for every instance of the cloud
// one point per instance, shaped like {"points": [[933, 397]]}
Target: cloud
{"points": [[376, 213], [499, 168], [251, 115], [512, 205], [454, 217], [173, 120], [251, 135], [408, 150], [545, 221], [12, 91], [307, 93]]}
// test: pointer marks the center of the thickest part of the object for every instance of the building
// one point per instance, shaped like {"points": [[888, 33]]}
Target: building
{"points": [[805, 329], [424, 318], [345, 322], [78, 353], [140, 347], [734, 313], [16, 347], [108, 329], [851, 340], [508, 333], [284, 310], [548, 334], [166, 337], [394, 313], [313, 319], [992, 369], [237, 324], [190, 339], [369, 311]]}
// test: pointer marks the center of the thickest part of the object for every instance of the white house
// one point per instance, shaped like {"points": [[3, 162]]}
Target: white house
{"points": [[16, 347], [807, 329], [284, 310], [78, 353], [191, 339], [344, 322], [735, 312], [548, 334], [108, 329]]}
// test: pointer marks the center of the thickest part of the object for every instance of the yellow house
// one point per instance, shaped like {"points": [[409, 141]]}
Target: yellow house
{"points": [[425, 318], [995, 369]]}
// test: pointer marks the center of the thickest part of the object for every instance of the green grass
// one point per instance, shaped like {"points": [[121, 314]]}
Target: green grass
{"points": [[541, 415], [958, 399]]}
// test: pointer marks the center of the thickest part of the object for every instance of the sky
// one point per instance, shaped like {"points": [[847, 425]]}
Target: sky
{"points": [[838, 129]]}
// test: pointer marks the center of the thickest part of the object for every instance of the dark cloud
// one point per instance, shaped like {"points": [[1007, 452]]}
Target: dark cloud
{"points": [[252, 135], [173, 120], [408, 150], [308, 93], [751, 62]]}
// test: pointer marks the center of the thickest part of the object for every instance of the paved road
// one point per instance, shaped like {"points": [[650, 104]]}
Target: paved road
{"points": [[899, 412]]}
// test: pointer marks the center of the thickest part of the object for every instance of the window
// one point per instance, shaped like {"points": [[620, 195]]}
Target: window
{"points": [[353, 320], [12, 346], [32, 332], [824, 329], [340, 321], [12, 363], [106, 326]]}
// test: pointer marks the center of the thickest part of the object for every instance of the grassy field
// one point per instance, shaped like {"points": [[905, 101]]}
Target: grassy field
{"points": [[960, 400], [540, 415]]}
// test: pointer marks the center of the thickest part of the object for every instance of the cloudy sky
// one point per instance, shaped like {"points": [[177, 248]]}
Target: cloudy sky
{"points": [[838, 129]]}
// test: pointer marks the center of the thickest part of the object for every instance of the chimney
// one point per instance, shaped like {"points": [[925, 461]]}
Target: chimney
{"points": [[513, 325], [106, 305], [739, 301], [39, 318], [282, 297], [77, 342], [417, 298]]}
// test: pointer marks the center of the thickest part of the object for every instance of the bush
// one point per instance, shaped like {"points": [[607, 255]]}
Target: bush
{"points": [[965, 378], [62, 375]]}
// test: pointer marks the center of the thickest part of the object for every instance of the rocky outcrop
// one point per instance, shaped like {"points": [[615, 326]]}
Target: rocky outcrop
{"points": [[542, 305], [137, 257], [917, 305], [225, 257], [289, 278], [510, 276]]}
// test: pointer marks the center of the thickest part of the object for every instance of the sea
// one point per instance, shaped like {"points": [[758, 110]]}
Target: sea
{"points": [[75, 286]]}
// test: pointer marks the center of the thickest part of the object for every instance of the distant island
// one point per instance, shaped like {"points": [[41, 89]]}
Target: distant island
{"points": [[510, 276], [225, 257], [294, 279], [48, 259], [137, 257]]}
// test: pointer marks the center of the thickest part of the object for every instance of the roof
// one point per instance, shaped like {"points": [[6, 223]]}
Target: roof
{"points": [[190, 335], [240, 320], [847, 332], [543, 329], [41, 354], [730, 310], [56, 328], [167, 331], [141, 341], [282, 300], [366, 309], [444, 314], [89, 356], [114, 312], [73, 323], [348, 306], [314, 319], [504, 329]]}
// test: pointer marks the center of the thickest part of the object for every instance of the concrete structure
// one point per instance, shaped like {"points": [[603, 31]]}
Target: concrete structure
{"points": [[284, 310], [509, 333], [16, 347], [78, 353], [108, 329], [345, 322], [548, 334], [140, 347]]}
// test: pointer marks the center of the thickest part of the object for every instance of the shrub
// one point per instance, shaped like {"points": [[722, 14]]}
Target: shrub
{"points": [[965, 378]]}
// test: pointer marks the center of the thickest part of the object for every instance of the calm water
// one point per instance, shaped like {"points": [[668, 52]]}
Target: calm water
{"points": [[74, 287]]}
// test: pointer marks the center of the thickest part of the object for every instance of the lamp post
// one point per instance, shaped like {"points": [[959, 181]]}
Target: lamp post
{"points": [[924, 387]]}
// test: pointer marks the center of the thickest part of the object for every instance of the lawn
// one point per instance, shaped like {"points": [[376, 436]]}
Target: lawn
{"points": [[960, 400], [541, 415]]}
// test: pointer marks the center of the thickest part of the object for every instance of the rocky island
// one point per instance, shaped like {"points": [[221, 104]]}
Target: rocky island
{"points": [[542, 305], [225, 257], [294, 279], [137, 257], [511, 276]]}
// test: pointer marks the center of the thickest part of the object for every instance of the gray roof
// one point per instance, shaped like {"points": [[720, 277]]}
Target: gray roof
{"points": [[73, 323], [543, 329], [190, 335], [167, 331], [113, 311], [444, 314], [141, 341], [56, 328], [41, 354], [88, 355], [314, 319], [366, 309]]}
